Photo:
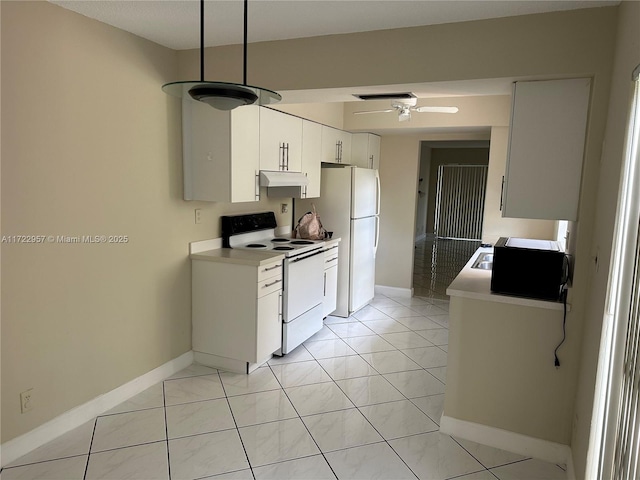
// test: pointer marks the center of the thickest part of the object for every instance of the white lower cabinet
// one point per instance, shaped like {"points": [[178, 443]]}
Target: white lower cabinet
{"points": [[329, 302], [236, 313]]}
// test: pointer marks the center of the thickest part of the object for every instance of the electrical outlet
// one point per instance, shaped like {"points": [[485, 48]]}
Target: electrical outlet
{"points": [[26, 401], [284, 207], [198, 216]]}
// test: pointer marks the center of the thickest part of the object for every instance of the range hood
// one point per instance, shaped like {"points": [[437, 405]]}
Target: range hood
{"points": [[283, 184]]}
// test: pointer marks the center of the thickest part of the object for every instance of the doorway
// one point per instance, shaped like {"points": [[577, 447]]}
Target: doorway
{"points": [[448, 217]]}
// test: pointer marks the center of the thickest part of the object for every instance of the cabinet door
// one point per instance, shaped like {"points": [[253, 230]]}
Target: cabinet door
{"points": [[546, 148], [365, 150], [269, 325], [330, 144], [220, 152], [374, 151], [280, 141], [245, 147], [345, 146], [311, 157], [329, 302]]}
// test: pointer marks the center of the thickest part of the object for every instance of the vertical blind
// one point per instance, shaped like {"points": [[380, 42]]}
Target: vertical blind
{"points": [[460, 201]]}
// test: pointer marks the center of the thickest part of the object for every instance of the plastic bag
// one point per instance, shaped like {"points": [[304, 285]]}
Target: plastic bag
{"points": [[310, 227]]}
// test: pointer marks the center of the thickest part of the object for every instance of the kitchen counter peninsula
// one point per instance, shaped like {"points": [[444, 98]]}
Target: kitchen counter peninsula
{"points": [[503, 388]]}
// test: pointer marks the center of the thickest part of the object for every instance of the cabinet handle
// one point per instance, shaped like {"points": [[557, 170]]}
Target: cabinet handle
{"points": [[331, 260], [304, 192], [257, 191], [272, 283], [338, 152], [281, 157], [271, 268], [280, 306], [324, 292], [502, 193], [371, 161], [287, 149]]}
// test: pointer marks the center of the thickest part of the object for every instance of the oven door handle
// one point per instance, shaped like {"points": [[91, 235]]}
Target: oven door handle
{"points": [[298, 259]]}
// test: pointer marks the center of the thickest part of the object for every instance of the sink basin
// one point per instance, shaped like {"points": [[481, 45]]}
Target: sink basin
{"points": [[484, 261]]}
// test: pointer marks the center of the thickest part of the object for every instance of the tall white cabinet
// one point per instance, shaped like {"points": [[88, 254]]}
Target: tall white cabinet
{"points": [[546, 149]]}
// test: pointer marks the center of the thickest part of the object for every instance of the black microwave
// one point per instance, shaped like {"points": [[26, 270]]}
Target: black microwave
{"points": [[528, 268]]}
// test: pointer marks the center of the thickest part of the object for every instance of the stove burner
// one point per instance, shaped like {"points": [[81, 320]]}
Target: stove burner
{"points": [[283, 248], [280, 240], [302, 242], [256, 245]]}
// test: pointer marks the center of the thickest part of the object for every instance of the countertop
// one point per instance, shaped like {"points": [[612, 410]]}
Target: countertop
{"points": [[241, 257], [475, 283]]}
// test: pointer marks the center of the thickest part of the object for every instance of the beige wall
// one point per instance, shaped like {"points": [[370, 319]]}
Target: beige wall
{"points": [[504, 379], [331, 114], [90, 146], [627, 57]]}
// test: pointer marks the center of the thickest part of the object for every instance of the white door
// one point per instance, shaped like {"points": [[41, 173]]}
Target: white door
{"points": [[362, 262], [364, 187]]}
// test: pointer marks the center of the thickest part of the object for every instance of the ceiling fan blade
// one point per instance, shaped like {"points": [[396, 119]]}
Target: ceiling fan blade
{"points": [[436, 109], [374, 111]]}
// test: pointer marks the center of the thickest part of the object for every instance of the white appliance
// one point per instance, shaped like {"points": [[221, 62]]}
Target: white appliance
{"points": [[303, 272], [349, 206]]}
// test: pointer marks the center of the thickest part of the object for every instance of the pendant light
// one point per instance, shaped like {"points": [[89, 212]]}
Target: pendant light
{"points": [[222, 95]]}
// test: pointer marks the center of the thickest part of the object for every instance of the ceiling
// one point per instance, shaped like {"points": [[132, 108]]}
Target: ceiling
{"points": [[175, 23]]}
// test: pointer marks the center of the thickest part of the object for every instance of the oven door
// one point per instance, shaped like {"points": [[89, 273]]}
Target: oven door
{"points": [[303, 284]]}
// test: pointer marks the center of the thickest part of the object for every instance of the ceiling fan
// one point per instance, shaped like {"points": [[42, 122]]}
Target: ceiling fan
{"points": [[405, 106]]}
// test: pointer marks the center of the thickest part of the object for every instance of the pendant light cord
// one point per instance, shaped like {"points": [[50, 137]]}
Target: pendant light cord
{"points": [[246, 27], [202, 40]]}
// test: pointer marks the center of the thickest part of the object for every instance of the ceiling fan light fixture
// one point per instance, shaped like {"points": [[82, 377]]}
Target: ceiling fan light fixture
{"points": [[404, 115]]}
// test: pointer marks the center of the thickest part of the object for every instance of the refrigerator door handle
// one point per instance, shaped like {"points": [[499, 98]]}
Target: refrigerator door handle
{"points": [[375, 245], [378, 196]]}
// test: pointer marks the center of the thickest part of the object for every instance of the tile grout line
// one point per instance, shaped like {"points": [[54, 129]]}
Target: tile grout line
{"points": [[166, 429], [93, 434], [233, 417], [302, 421]]}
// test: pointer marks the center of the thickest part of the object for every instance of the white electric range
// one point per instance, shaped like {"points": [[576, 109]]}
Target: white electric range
{"points": [[303, 272]]}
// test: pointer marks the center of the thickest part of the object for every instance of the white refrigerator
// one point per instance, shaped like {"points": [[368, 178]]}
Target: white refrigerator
{"points": [[349, 206]]}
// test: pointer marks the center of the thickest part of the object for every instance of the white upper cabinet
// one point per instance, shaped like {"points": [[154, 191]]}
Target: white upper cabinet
{"points": [[336, 145], [311, 157], [546, 149], [280, 141], [365, 150], [220, 152]]}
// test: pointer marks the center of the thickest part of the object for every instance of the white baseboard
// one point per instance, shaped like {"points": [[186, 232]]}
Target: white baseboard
{"points": [[505, 440], [394, 291], [19, 446]]}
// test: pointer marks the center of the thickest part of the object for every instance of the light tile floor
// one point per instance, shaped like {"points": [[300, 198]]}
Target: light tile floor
{"points": [[360, 400]]}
